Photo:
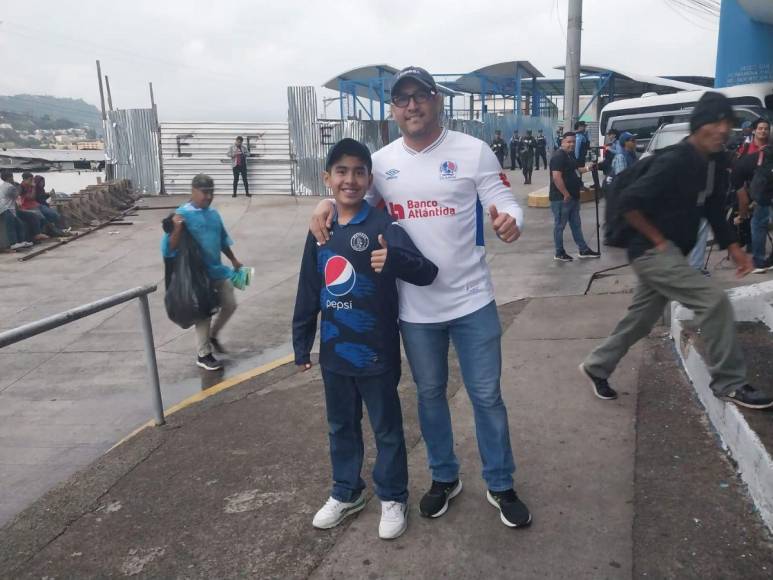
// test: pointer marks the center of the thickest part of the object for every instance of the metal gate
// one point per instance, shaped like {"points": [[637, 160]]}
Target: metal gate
{"points": [[198, 147], [131, 147]]}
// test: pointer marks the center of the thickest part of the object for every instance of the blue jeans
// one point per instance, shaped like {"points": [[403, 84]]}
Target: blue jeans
{"points": [[52, 216], [760, 221], [344, 396], [14, 228], [476, 338], [567, 212]]}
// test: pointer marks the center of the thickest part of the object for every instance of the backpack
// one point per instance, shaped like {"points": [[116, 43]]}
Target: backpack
{"points": [[617, 231], [761, 185]]}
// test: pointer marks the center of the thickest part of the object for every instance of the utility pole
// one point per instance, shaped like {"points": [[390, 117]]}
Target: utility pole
{"points": [[572, 69], [101, 91], [109, 94], [154, 108]]}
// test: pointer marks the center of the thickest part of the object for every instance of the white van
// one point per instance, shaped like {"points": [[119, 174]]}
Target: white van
{"points": [[643, 116]]}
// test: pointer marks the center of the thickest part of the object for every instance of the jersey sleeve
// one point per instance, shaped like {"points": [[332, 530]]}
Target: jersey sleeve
{"points": [[306, 304], [493, 187], [404, 260], [166, 252]]}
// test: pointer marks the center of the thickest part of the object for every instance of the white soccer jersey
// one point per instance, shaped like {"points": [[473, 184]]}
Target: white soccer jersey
{"points": [[439, 195]]}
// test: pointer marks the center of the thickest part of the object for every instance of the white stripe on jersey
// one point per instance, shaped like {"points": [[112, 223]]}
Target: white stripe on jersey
{"points": [[439, 195]]}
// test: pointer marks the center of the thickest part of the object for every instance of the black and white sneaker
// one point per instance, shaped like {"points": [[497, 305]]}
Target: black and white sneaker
{"points": [[512, 511], [585, 254], [216, 345], [435, 502], [749, 397], [563, 257], [209, 363], [601, 386]]}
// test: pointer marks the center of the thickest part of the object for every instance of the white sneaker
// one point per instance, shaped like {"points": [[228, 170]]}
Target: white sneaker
{"points": [[394, 520], [333, 512], [18, 245]]}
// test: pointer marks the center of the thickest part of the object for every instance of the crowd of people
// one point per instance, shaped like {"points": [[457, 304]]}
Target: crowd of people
{"points": [[388, 258], [26, 213]]}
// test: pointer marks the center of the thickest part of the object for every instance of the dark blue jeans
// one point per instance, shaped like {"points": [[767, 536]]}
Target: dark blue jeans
{"points": [[760, 221], [344, 396], [567, 212], [33, 223], [14, 228], [476, 338]]}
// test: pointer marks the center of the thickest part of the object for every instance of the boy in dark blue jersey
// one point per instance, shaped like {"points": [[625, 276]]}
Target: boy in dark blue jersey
{"points": [[351, 281]]}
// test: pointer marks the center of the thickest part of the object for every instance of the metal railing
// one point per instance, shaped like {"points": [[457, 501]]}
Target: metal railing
{"points": [[141, 293]]}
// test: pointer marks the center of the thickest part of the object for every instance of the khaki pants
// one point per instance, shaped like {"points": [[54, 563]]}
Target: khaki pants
{"points": [[205, 328], [665, 276]]}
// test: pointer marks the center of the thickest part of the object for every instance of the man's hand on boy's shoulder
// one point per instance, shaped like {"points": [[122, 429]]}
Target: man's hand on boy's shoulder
{"points": [[378, 257]]}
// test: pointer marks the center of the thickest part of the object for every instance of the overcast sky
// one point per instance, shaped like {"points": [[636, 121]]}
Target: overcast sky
{"points": [[232, 60]]}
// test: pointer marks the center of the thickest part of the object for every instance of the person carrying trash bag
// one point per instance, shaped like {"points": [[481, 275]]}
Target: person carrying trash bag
{"points": [[198, 230]]}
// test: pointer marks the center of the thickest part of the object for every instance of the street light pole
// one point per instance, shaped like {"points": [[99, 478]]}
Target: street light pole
{"points": [[572, 69]]}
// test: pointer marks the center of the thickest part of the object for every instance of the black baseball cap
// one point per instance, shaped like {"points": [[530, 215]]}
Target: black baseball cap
{"points": [[351, 147], [416, 73]]}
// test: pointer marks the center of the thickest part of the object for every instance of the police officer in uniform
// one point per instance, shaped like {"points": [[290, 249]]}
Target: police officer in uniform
{"points": [[542, 150], [499, 147], [515, 144], [528, 148]]}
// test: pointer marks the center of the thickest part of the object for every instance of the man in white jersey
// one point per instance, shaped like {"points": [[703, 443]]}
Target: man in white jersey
{"points": [[436, 183]]}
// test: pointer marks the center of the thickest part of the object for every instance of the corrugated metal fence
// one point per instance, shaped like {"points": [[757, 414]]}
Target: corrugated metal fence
{"points": [[192, 147], [131, 147]]}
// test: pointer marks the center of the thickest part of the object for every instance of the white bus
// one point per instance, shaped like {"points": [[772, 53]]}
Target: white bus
{"points": [[643, 116]]}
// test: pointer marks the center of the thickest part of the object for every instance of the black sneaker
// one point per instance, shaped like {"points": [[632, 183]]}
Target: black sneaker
{"points": [[435, 502], [563, 257], [209, 362], [216, 345], [512, 511], [584, 254], [749, 397], [601, 387]]}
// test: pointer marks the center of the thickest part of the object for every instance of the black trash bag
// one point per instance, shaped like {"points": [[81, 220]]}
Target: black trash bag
{"points": [[190, 294]]}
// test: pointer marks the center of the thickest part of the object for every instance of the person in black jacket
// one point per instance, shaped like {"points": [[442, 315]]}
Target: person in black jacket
{"points": [[515, 150], [664, 208], [499, 147], [542, 150], [352, 281]]}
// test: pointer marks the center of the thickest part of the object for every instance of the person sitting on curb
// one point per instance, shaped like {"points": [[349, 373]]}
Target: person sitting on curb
{"points": [[14, 227], [352, 281], [206, 227], [51, 220]]}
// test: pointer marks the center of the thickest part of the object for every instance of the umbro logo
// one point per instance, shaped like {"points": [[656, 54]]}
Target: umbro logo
{"points": [[392, 174]]}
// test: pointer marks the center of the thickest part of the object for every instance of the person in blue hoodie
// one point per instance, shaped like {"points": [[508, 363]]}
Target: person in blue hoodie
{"points": [[351, 280]]}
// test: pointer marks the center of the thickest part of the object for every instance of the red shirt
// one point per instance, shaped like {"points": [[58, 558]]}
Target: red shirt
{"points": [[27, 196]]}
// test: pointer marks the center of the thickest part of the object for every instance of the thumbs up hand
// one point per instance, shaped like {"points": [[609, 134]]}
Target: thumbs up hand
{"points": [[378, 257], [504, 225]]}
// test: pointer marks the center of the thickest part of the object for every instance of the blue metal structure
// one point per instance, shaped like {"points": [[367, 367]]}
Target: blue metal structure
{"points": [[745, 45]]}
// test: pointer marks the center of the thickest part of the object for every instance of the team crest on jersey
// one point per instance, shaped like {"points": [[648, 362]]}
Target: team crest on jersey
{"points": [[360, 242], [448, 170], [392, 174]]}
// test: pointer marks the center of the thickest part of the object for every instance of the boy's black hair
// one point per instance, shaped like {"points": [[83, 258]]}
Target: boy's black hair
{"points": [[758, 121], [350, 147], [568, 134], [6, 175], [26, 175], [203, 183]]}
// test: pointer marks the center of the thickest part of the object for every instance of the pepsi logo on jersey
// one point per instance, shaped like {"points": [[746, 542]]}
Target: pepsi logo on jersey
{"points": [[340, 276]]}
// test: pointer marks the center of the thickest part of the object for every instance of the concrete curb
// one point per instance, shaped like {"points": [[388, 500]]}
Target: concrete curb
{"points": [[213, 390], [755, 465]]}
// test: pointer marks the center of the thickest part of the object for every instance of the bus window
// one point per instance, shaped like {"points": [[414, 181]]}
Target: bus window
{"points": [[642, 128]]}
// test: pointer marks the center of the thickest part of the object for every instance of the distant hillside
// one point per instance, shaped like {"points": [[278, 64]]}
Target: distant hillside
{"points": [[76, 111]]}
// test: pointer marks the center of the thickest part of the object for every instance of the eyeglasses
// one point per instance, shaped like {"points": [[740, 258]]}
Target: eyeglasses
{"points": [[402, 100]]}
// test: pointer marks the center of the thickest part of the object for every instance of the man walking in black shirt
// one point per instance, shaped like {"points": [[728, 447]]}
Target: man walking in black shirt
{"points": [[565, 187], [664, 208]]}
